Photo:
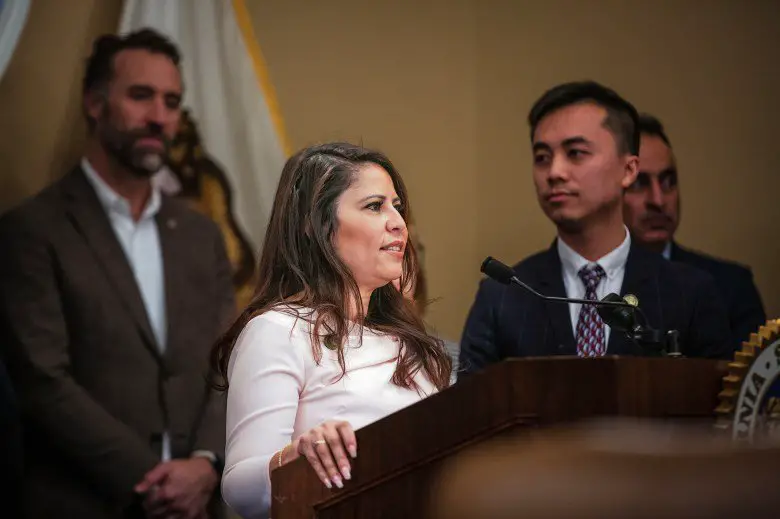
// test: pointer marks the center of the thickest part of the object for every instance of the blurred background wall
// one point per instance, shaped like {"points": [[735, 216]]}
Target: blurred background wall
{"points": [[444, 86]]}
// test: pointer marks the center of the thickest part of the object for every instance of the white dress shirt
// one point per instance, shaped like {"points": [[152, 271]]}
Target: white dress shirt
{"points": [[614, 265], [277, 392], [140, 242], [667, 252]]}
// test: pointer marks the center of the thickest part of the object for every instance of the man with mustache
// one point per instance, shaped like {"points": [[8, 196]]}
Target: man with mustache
{"points": [[585, 142], [651, 208], [111, 295]]}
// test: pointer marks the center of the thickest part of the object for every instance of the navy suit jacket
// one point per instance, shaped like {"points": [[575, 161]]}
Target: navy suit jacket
{"points": [[735, 284], [507, 321]]}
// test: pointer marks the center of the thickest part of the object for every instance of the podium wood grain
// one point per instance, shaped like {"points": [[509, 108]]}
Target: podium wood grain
{"points": [[400, 455]]}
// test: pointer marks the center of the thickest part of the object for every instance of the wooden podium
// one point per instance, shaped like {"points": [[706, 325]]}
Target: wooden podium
{"points": [[399, 456]]}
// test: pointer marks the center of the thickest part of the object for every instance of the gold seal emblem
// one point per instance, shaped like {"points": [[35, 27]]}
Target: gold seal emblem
{"points": [[750, 400], [631, 299]]}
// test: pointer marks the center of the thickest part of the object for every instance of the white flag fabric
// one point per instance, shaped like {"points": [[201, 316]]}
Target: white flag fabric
{"points": [[13, 16], [227, 93]]}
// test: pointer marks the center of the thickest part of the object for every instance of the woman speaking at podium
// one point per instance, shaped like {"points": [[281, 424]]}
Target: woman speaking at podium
{"points": [[328, 344]]}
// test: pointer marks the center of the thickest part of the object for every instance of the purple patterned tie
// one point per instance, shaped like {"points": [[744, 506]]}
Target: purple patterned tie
{"points": [[590, 327]]}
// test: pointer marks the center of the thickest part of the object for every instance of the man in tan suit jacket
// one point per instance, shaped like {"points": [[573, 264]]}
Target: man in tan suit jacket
{"points": [[111, 296]]}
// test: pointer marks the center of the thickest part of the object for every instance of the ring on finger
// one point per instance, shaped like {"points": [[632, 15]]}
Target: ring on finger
{"points": [[319, 442]]}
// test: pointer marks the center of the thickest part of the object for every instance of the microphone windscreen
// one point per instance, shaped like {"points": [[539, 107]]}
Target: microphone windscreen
{"points": [[616, 317], [497, 270]]}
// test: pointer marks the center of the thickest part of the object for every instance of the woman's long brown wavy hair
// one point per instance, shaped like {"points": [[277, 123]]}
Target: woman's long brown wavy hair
{"points": [[299, 266]]}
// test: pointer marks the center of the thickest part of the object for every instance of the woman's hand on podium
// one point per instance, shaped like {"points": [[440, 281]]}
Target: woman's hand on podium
{"points": [[326, 447]]}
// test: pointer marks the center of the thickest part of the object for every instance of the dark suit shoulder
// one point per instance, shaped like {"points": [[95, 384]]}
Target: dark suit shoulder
{"points": [[714, 265], [668, 271], [186, 215], [735, 285], [684, 274], [689, 279], [687, 301], [534, 262], [491, 293], [530, 270], [35, 213]]}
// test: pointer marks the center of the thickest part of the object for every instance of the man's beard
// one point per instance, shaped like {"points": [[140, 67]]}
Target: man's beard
{"points": [[121, 144]]}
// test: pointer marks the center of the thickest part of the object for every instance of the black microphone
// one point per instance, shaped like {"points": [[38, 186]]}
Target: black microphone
{"points": [[618, 313], [622, 319], [504, 274]]}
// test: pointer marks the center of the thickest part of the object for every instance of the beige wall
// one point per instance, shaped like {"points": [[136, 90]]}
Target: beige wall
{"points": [[443, 86], [401, 78], [40, 119], [708, 73]]}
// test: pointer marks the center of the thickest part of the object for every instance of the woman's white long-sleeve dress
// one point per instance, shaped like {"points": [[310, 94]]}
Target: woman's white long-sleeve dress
{"points": [[277, 392]]}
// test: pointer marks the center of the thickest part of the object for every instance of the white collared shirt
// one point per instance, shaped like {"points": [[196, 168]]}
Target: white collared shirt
{"points": [[614, 264], [140, 242], [667, 252]]}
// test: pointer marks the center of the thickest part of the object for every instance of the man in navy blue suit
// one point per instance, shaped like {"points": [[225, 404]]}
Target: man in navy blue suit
{"points": [[585, 143], [652, 214]]}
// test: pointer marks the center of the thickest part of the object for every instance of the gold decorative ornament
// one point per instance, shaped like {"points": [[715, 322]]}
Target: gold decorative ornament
{"points": [[749, 405], [204, 185], [631, 299]]}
